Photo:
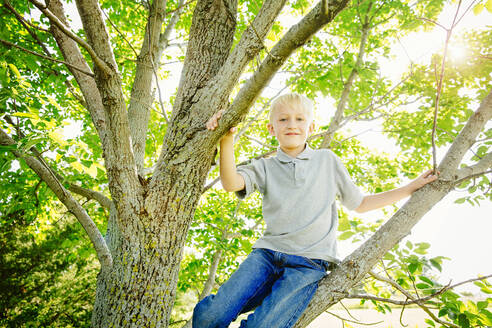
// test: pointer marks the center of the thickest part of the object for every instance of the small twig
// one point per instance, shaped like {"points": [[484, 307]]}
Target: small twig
{"points": [[259, 142], [21, 18], [120, 33], [433, 22], [401, 314], [10, 44], [348, 312], [457, 182], [357, 322]]}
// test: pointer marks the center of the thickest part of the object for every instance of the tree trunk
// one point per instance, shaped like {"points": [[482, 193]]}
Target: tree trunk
{"points": [[139, 291]]}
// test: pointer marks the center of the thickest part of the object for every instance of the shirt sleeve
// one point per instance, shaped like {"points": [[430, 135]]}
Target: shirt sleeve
{"points": [[350, 195], [254, 178]]}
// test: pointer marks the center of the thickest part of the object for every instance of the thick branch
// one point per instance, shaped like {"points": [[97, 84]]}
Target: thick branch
{"points": [[67, 199], [248, 47], [87, 84], [125, 187], [142, 93], [91, 194], [477, 169], [54, 20], [296, 37], [466, 138]]}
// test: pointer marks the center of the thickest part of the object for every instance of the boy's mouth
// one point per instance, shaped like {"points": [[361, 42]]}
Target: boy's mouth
{"points": [[292, 134]]}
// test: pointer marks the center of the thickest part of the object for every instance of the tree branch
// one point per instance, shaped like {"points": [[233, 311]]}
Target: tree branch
{"points": [[472, 171], [91, 194], [397, 286], [142, 94], [93, 101], [10, 44], [47, 175], [297, 36], [342, 103], [466, 138], [88, 193], [126, 189], [54, 20]]}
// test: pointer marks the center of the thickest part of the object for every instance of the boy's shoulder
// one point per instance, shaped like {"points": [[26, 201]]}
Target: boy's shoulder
{"points": [[325, 153]]}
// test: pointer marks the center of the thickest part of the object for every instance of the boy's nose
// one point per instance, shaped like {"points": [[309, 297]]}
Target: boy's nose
{"points": [[291, 123]]}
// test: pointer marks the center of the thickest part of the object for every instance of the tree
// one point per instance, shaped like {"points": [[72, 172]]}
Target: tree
{"points": [[150, 211]]}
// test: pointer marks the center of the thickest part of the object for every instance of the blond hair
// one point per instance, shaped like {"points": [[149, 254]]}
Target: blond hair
{"points": [[292, 99]]}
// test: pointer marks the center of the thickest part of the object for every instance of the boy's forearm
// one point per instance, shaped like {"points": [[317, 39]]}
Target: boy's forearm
{"points": [[373, 202], [230, 179]]}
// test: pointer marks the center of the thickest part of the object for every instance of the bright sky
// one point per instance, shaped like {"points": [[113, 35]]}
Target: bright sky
{"points": [[458, 231]]}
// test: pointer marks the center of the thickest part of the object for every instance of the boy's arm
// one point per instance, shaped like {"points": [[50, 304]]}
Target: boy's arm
{"points": [[230, 179], [372, 202]]}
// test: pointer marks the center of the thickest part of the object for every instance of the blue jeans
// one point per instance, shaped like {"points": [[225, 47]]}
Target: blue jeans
{"points": [[280, 287]]}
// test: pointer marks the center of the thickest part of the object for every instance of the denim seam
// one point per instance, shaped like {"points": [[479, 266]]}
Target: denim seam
{"points": [[249, 299], [319, 266], [299, 307]]}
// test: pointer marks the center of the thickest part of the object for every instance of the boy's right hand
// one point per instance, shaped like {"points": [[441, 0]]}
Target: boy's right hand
{"points": [[213, 123]]}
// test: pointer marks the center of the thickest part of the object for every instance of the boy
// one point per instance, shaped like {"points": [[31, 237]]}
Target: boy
{"points": [[299, 186]]}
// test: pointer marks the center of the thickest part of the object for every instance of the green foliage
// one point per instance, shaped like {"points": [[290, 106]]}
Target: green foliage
{"points": [[47, 275], [42, 259]]}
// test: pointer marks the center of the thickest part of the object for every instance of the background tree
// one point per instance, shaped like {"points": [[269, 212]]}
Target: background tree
{"points": [[233, 50]]}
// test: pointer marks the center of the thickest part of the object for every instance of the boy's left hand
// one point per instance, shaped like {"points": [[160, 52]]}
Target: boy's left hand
{"points": [[422, 180]]}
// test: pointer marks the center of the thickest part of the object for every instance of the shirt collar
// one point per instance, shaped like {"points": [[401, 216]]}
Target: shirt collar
{"points": [[307, 153]]}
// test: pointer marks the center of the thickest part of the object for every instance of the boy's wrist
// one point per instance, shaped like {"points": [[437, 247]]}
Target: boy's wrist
{"points": [[227, 139]]}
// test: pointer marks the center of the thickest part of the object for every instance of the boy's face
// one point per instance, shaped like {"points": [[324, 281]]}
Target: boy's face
{"points": [[291, 125]]}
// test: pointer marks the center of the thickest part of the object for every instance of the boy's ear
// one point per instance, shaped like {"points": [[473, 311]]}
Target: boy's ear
{"points": [[271, 129]]}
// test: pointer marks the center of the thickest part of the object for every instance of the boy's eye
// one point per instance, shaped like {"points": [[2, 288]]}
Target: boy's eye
{"points": [[300, 119], [283, 120]]}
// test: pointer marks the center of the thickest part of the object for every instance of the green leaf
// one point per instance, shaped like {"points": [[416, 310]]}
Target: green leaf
{"points": [[15, 70], [430, 322], [482, 305], [346, 235], [436, 264], [427, 280], [28, 115], [463, 321], [423, 286], [31, 143], [488, 5], [478, 9], [413, 267]]}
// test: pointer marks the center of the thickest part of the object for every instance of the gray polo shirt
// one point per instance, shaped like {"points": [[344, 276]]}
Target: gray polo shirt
{"points": [[299, 201]]}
